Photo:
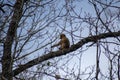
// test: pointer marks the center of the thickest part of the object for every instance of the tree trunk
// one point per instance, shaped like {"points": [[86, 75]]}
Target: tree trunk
{"points": [[7, 60], [119, 66]]}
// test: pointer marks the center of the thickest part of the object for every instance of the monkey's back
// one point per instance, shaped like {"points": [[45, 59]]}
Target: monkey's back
{"points": [[65, 43]]}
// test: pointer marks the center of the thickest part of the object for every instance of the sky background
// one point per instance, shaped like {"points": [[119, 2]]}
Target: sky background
{"points": [[88, 56], [88, 59]]}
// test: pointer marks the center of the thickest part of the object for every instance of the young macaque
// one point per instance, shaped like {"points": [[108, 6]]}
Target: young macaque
{"points": [[63, 43]]}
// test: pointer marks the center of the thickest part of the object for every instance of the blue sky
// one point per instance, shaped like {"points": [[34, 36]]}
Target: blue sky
{"points": [[88, 56]]}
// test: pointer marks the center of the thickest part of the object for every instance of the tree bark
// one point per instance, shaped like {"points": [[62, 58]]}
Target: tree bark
{"points": [[51, 55], [7, 61], [119, 66]]}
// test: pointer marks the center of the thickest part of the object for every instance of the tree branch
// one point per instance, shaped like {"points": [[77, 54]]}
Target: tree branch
{"points": [[60, 53]]}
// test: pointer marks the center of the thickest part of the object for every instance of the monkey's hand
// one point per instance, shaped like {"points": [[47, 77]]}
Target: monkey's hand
{"points": [[54, 45]]}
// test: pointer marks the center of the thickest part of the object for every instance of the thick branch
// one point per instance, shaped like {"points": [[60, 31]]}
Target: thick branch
{"points": [[60, 53]]}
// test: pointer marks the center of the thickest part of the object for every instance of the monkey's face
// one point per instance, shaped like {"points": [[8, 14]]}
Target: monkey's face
{"points": [[62, 35]]}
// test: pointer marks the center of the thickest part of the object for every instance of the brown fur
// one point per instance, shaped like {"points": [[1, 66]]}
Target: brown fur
{"points": [[63, 43]]}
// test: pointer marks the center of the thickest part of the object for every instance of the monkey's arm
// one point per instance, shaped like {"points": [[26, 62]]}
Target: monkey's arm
{"points": [[56, 44]]}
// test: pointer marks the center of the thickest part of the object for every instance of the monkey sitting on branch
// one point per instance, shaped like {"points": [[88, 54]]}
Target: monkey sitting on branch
{"points": [[63, 43]]}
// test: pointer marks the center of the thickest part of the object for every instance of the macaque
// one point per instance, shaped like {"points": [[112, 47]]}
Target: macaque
{"points": [[63, 43]]}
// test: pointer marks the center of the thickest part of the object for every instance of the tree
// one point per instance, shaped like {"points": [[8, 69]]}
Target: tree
{"points": [[28, 28]]}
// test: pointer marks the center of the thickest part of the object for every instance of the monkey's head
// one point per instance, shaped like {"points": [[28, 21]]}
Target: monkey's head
{"points": [[62, 35]]}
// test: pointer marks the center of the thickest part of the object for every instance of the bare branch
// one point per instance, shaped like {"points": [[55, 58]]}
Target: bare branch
{"points": [[60, 53]]}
